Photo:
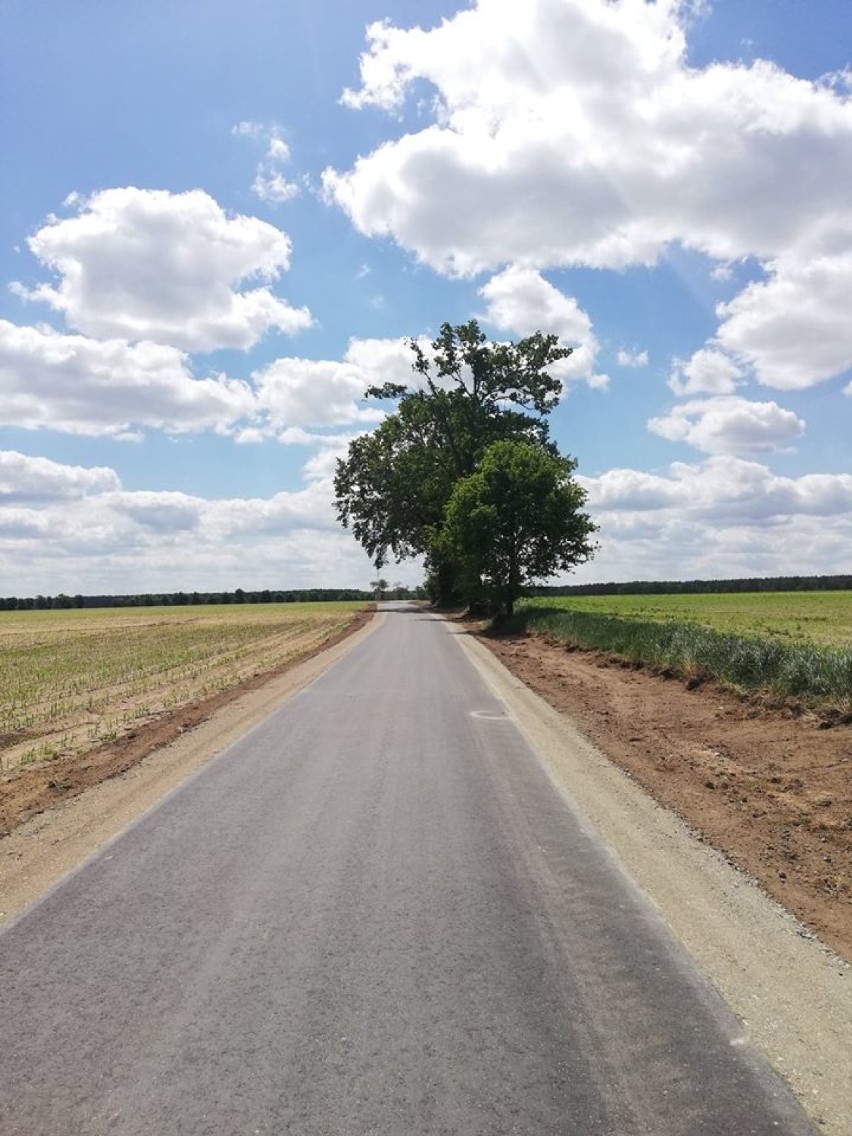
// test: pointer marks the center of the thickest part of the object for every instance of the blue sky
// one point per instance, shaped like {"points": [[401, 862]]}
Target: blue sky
{"points": [[221, 221]]}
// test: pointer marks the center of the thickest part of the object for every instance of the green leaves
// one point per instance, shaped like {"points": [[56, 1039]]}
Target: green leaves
{"points": [[395, 484], [516, 519]]}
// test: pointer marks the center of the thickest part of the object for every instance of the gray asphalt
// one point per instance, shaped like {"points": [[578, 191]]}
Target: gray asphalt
{"points": [[374, 914]]}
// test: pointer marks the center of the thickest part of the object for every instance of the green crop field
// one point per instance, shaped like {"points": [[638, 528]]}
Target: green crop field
{"points": [[70, 679], [790, 644], [820, 617]]}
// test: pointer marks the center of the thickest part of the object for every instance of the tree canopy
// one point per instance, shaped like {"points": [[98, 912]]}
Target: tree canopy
{"points": [[517, 518], [466, 393]]}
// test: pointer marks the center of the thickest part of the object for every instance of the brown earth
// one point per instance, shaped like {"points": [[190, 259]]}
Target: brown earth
{"points": [[30, 790], [770, 790]]}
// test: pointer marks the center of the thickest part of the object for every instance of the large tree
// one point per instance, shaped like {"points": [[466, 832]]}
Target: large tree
{"points": [[516, 519], [393, 486]]}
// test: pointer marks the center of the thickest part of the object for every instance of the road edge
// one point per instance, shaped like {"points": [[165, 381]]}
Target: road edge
{"points": [[792, 993]]}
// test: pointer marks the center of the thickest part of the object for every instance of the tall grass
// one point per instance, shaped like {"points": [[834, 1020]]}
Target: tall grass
{"points": [[806, 671]]}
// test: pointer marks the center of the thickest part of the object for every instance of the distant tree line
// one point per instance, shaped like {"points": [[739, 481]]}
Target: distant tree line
{"points": [[693, 587], [180, 599]]}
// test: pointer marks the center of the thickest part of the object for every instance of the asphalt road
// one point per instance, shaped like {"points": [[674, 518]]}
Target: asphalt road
{"points": [[374, 914]]}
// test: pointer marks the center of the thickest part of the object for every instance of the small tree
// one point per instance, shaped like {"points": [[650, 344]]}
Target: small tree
{"points": [[516, 519], [379, 586]]}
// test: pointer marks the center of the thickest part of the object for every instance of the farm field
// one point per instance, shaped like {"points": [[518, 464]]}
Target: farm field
{"points": [[791, 645], [71, 680], [819, 617]]}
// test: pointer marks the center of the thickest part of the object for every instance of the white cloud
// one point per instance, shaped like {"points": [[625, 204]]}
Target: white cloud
{"points": [[294, 393], [141, 264], [75, 529], [575, 132], [794, 328], [521, 301], [310, 392], [160, 512], [67, 528], [723, 490], [83, 386], [381, 361], [722, 518], [729, 425], [722, 273], [321, 465], [270, 183], [708, 371], [248, 130], [37, 480], [632, 358], [108, 387]]}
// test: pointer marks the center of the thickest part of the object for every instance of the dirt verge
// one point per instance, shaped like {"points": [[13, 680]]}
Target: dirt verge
{"points": [[772, 792]]}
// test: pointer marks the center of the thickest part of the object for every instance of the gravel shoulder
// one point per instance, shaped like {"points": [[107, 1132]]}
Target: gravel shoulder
{"points": [[791, 991]]}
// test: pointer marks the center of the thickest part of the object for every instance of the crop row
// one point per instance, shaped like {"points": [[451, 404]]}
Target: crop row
{"points": [[62, 684]]}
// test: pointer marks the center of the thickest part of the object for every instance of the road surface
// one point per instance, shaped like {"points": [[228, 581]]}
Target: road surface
{"points": [[373, 915]]}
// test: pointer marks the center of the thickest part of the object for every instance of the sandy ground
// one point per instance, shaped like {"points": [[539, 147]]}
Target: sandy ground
{"points": [[771, 792]]}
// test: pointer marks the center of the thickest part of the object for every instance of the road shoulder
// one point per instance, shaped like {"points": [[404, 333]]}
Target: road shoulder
{"points": [[792, 993]]}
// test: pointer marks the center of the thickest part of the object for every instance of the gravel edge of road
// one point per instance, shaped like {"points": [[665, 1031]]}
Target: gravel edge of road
{"points": [[38, 854], [792, 993]]}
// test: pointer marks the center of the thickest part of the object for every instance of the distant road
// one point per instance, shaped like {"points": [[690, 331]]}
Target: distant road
{"points": [[373, 915]]}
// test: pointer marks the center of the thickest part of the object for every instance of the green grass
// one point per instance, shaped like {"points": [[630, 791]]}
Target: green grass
{"points": [[792, 645], [818, 617]]}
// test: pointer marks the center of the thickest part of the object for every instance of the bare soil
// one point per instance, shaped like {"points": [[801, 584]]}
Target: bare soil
{"points": [[770, 790], [26, 791]]}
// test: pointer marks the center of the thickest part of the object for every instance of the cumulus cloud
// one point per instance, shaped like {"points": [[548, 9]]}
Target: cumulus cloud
{"points": [[708, 371], [295, 392], [37, 480], [521, 301], [794, 328], [68, 528], [728, 489], [724, 517], [575, 132], [385, 360], [83, 386], [108, 387], [141, 264], [729, 425]]}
